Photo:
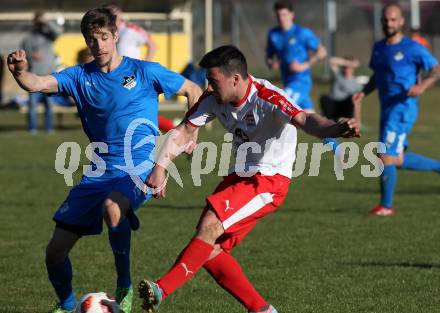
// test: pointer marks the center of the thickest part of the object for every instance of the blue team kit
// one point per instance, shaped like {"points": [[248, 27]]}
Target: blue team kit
{"points": [[294, 45], [395, 70], [108, 104]]}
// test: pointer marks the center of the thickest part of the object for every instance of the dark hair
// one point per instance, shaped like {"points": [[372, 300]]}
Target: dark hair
{"points": [[279, 5], [38, 14], [228, 58], [392, 4], [96, 19], [112, 7]]}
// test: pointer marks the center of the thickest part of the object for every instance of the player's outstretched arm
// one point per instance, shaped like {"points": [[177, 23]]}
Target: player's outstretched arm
{"points": [[18, 66], [179, 140], [321, 127]]}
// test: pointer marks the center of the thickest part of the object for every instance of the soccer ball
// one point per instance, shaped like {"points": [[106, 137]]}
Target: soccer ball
{"points": [[97, 302]]}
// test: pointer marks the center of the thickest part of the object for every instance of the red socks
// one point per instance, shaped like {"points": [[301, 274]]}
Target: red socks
{"points": [[164, 124], [223, 268], [189, 262], [227, 273]]}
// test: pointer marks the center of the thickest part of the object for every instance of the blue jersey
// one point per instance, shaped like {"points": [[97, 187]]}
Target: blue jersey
{"points": [[292, 45], [396, 68], [109, 102]]}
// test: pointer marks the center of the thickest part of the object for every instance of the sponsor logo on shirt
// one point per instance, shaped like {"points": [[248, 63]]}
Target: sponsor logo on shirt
{"points": [[187, 271], [398, 56], [129, 82], [292, 40], [227, 206], [90, 84]]}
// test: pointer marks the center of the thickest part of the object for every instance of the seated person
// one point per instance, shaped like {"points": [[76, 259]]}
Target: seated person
{"points": [[338, 104]]}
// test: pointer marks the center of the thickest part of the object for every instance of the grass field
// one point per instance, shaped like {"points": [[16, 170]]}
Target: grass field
{"points": [[319, 253]]}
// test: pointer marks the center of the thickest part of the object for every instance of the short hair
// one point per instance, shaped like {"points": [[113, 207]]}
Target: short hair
{"points": [[96, 19], [228, 58], [279, 5], [392, 4]]}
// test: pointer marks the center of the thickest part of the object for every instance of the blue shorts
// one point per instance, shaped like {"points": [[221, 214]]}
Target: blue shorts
{"points": [[395, 136], [82, 211], [299, 96]]}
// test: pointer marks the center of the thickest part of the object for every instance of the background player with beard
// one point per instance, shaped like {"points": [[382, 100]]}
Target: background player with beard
{"points": [[396, 61]]}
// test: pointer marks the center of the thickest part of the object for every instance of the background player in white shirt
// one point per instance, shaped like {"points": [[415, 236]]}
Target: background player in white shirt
{"points": [[262, 118], [132, 37]]}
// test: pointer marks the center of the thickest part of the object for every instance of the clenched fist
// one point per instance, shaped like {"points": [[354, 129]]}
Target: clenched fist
{"points": [[17, 61]]}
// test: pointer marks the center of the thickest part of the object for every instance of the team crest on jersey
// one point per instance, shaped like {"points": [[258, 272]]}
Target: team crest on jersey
{"points": [[398, 56], [249, 119], [129, 82], [292, 40]]}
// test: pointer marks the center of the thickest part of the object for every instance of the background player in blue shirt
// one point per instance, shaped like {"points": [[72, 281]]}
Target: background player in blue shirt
{"points": [[294, 49], [396, 61], [111, 93]]}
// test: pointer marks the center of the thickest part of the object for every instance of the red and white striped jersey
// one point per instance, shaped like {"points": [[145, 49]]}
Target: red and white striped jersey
{"points": [[131, 38], [264, 139]]}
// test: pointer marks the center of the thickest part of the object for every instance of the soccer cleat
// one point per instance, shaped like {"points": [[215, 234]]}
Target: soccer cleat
{"points": [[151, 295], [59, 309], [271, 309], [124, 297], [382, 211]]}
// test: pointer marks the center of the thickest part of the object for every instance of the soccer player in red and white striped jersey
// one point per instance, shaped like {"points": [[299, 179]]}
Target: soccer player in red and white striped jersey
{"points": [[262, 120]]}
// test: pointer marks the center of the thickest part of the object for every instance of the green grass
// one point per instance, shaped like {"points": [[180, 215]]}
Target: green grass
{"points": [[319, 253]]}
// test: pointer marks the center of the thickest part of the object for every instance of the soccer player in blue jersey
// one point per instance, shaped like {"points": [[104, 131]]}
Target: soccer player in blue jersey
{"points": [[396, 61], [294, 49], [111, 93]]}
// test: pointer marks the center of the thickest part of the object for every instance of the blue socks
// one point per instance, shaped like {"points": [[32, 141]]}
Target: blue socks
{"points": [[418, 162], [411, 161], [120, 238], [331, 141], [387, 185], [60, 275]]}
